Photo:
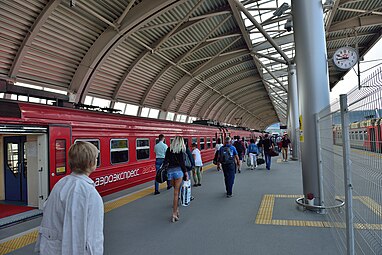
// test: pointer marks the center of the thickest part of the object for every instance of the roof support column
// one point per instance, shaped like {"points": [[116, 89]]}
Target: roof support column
{"points": [[313, 85], [293, 110], [139, 112]]}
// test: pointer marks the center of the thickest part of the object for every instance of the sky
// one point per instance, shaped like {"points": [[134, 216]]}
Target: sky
{"points": [[351, 80]]}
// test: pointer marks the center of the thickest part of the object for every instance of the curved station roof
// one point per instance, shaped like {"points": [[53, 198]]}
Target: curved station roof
{"points": [[205, 59]]}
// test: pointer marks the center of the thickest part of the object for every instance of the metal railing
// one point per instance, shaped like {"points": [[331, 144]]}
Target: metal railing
{"points": [[350, 135]]}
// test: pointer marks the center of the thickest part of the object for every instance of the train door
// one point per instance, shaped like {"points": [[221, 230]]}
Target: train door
{"points": [[60, 138], [372, 139], [15, 167]]}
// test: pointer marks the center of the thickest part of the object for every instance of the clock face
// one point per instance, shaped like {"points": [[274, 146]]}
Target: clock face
{"points": [[345, 58]]}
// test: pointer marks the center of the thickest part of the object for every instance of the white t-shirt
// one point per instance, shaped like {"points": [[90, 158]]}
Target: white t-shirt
{"points": [[198, 157]]}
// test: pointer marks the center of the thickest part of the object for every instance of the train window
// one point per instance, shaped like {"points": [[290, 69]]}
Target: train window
{"points": [[213, 142], [156, 140], [60, 156], [143, 148], [365, 134], [208, 143], [186, 142], [95, 142], [119, 151], [201, 143], [195, 140]]}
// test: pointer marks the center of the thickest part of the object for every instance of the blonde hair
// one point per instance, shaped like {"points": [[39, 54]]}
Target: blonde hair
{"points": [[82, 157], [177, 145]]}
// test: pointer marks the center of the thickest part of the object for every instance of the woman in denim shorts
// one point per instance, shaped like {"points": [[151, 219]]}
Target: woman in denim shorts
{"points": [[176, 171]]}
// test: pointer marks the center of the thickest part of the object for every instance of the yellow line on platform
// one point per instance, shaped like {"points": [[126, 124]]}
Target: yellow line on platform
{"points": [[16, 242], [265, 214]]}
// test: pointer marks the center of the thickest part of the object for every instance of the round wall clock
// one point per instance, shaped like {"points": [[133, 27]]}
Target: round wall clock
{"points": [[345, 58]]}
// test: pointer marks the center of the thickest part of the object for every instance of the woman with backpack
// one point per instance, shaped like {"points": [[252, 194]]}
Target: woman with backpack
{"points": [[252, 151], [176, 171]]}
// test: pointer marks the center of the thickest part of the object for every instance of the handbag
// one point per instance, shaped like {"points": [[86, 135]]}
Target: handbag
{"points": [[260, 161], [161, 175], [273, 153]]}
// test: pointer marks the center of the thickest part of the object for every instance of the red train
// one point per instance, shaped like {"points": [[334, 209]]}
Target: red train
{"points": [[365, 135], [35, 140]]}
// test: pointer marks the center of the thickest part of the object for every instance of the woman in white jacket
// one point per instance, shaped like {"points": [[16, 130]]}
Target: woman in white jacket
{"points": [[72, 220]]}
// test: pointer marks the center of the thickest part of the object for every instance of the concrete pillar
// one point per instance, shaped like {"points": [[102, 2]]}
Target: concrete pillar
{"points": [[313, 84], [293, 110]]}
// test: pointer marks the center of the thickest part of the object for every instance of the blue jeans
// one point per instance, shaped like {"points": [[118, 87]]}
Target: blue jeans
{"points": [[229, 176], [268, 160], [158, 164]]}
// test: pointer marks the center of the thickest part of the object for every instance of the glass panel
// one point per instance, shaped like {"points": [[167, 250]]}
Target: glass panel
{"points": [[208, 142], [119, 151], [194, 140], [213, 142], [201, 143], [60, 156], [143, 148], [13, 157]]}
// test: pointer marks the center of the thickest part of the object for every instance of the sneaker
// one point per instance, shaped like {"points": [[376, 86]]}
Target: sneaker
{"points": [[169, 187], [195, 185], [228, 196], [156, 192], [239, 171], [192, 198], [199, 184]]}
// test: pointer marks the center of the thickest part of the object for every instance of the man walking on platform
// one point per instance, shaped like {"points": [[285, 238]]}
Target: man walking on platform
{"points": [[229, 159], [285, 144], [160, 153], [268, 145]]}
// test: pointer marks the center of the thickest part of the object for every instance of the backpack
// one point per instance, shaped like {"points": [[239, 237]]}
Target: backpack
{"points": [[226, 155], [239, 147]]}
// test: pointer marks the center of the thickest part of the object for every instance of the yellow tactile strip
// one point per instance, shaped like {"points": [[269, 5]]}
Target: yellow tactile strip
{"points": [[13, 243], [18, 242], [265, 214]]}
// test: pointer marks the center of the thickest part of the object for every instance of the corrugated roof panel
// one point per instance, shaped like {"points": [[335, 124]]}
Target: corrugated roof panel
{"points": [[222, 65], [200, 102], [179, 97], [16, 18], [163, 87], [227, 74], [234, 77], [212, 50], [360, 5]]}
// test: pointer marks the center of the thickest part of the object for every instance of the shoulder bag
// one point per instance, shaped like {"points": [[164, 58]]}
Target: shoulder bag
{"points": [[161, 175]]}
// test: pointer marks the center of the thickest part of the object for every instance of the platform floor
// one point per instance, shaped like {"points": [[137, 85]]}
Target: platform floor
{"points": [[261, 218]]}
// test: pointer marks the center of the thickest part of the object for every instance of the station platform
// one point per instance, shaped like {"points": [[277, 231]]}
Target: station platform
{"points": [[262, 217]]}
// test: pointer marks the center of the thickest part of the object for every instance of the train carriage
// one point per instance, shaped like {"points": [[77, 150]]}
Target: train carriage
{"points": [[36, 139]]}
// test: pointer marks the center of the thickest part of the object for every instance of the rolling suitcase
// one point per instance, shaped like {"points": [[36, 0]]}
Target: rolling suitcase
{"points": [[185, 193]]}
